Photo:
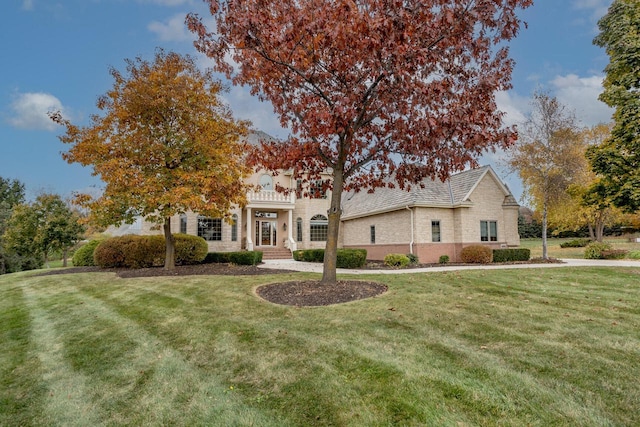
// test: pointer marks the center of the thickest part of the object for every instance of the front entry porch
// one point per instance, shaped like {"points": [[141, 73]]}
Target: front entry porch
{"points": [[269, 220]]}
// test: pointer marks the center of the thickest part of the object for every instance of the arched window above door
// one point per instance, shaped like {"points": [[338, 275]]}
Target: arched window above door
{"points": [[266, 182]]}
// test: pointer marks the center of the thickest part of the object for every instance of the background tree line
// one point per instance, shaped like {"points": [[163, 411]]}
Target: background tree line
{"points": [[32, 233]]}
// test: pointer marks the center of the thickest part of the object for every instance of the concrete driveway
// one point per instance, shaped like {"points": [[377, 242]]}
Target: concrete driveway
{"points": [[289, 264]]}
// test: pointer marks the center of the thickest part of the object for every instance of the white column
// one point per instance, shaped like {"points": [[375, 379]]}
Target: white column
{"points": [[249, 230], [292, 243]]}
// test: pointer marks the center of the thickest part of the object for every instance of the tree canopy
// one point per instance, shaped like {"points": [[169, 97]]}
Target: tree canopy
{"points": [[549, 156], [37, 230], [369, 88], [617, 160], [165, 144]]}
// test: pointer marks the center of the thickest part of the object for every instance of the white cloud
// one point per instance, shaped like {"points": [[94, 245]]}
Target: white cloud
{"points": [[30, 111], [513, 105], [172, 30], [27, 4], [581, 95]]}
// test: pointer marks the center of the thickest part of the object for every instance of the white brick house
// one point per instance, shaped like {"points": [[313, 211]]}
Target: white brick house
{"points": [[471, 207]]}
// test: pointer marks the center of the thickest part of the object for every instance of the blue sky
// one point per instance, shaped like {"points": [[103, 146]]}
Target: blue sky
{"points": [[55, 54]]}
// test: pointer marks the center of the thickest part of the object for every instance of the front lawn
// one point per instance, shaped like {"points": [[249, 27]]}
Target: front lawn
{"points": [[506, 347], [555, 251]]}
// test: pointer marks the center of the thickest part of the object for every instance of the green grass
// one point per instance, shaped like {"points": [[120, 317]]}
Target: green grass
{"points": [[555, 251], [510, 347]]}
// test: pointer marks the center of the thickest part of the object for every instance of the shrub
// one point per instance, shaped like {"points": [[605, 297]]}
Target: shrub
{"points": [[245, 257], [347, 258], [477, 254], [444, 259], [351, 258], [216, 257], [190, 249], [396, 260], [576, 243], [239, 258], [594, 250], [132, 251], [614, 254], [633, 255], [413, 259], [309, 255], [83, 256], [510, 255]]}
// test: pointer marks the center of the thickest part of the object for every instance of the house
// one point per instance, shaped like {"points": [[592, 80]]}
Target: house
{"points": [[438, 218]]}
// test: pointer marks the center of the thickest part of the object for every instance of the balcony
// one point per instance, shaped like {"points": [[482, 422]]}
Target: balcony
{"points": [[273, 199]]}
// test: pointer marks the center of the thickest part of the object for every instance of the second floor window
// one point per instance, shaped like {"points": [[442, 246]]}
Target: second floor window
{"points": [[266, 182]]}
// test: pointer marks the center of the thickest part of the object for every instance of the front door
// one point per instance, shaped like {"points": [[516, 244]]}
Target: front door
{"points": [[266, 233]]}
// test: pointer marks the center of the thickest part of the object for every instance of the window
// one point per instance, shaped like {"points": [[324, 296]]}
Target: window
{"points": [[318, 228], [210, 228], [234, 228], [372, 230], [299, 229], [435, 231], [488, 231], [266, 182], [183, 224], [315, 190]]}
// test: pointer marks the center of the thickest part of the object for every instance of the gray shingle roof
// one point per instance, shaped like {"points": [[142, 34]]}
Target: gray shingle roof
{"points": [[451, 193]]}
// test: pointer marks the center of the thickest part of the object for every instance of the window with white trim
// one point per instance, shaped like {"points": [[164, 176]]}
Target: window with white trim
{"points": [[183, 224], [234, 228], [318, 228], [299, 229], [266, 182], [372, 233], [210, 228]]}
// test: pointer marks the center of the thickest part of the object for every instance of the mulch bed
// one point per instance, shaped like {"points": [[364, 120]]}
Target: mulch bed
{"points": [[310, 293]]}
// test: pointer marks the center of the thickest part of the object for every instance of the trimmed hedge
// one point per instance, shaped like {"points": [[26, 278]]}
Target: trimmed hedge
{"points": [[444, 259], [190, 249], [510, 255], [577, 243], [347, 258], [239, 258], [133, 251], [396, 260], [477, 254], [83, 256]]}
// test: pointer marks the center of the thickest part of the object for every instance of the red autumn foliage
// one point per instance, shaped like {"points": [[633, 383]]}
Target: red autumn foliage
{"points": [[370, 89]]}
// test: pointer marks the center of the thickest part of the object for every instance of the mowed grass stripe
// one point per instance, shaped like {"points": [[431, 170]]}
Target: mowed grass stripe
{"points": [[511, 347], [126, 368]]}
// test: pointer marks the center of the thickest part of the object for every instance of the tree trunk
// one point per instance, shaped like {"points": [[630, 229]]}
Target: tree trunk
{"points": [[170, 254], [599, 230], [65, 252], [592, 235], [329, 276], [544, 231]]}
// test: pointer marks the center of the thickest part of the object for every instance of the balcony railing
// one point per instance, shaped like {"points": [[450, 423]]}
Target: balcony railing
{"points": [[265, 196]]}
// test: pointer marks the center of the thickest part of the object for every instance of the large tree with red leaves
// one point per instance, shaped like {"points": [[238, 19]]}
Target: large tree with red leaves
{"points": [[369, 88]]}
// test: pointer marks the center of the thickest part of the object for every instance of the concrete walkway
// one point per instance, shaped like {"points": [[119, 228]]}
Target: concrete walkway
{"points": [[289, 264]]}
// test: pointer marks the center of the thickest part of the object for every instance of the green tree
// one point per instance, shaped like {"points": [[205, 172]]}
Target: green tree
{"points": [[617, 160], [548, 157], [11, 194], [36, 231], [165, 144]]}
